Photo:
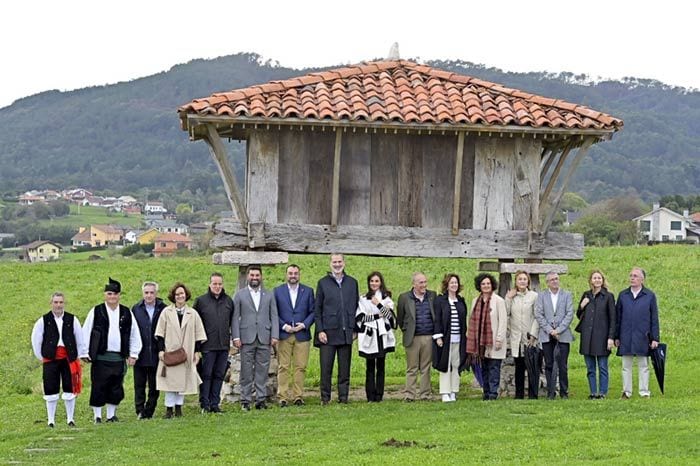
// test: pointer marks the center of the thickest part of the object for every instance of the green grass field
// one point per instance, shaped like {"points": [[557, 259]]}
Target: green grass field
{"points": [[661, 430], [88, 215]]}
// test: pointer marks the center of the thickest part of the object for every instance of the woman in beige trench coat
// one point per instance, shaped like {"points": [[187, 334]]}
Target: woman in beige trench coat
{"points": [[178, 326]]}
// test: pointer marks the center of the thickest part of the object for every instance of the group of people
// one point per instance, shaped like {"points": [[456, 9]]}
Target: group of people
{"points": [[181, 350]]}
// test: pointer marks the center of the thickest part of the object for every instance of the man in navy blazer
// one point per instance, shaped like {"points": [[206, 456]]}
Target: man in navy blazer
{"points": [[254, 330], [295, 308], [554, 311]]}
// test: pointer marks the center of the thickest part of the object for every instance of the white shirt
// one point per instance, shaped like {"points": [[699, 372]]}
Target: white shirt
{"points": [[255, 294], [555, 299], [114, 340], [293, 291], [38, 336]]}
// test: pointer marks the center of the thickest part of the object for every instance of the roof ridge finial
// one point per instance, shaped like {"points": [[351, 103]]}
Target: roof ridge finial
{"points": [[394, 52]]}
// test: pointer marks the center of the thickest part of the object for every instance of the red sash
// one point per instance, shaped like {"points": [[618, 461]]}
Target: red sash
{"points": [[76, 370]]}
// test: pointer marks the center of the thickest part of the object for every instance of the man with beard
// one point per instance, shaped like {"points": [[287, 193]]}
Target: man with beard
{"points": [[337, 298], [113, 341], [255, 329], [215, 308]]}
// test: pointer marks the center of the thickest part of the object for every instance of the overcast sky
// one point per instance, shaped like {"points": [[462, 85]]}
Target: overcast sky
{"points": [[69, 44]]}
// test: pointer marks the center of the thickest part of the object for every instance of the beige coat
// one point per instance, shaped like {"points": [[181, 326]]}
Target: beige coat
{"points": [[182, 378], [499, 326], [521, 320]]}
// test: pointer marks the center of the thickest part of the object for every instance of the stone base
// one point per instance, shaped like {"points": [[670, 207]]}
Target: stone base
{"points": [[231, 389]]}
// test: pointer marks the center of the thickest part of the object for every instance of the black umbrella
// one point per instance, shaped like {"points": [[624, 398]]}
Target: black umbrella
{"points": [[658, 360], [533, 356]]}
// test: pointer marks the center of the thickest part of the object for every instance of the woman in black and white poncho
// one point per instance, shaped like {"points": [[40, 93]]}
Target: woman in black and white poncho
{"points": [[375, 320]]}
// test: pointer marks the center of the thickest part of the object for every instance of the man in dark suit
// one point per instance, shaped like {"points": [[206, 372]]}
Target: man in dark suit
{"points": [[554, 311], [146, 313], [295, 306], [415, 317], [337, 297], [254, 330]]}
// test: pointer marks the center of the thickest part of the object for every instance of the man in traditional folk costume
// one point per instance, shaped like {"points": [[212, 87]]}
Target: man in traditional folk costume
{"points": [[57, 340], [114, 341]]}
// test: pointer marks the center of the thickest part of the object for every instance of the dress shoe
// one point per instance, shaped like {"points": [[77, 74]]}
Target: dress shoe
{"points": [[299, 402], [625, 396], [216, 410], [113, 419], [178, 410], [564, 396], [51, 425], [344, 401], [98, 420], [245, 406], [168, 413], [283, 404], [325, 402], [71, 424], [260, 405]]}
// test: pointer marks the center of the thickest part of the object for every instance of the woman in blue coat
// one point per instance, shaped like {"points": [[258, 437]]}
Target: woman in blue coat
{"points": [[637, 332]]}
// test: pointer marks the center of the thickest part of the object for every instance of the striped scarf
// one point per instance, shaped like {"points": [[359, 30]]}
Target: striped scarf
{"points": [[479, 333]]}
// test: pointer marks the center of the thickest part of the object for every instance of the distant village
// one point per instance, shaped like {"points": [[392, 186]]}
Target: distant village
{"points": [[161, 230]]}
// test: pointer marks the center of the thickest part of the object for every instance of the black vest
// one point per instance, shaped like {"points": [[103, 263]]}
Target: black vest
{"points": [[51, 335], [100, 330]]}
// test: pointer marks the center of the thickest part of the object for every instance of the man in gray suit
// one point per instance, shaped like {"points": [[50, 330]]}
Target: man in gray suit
{"points": [[254, 329], [554, 312]]}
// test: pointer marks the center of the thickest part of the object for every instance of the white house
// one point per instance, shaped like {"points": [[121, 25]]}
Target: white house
{"points": [[155, 207], [662, 224]]}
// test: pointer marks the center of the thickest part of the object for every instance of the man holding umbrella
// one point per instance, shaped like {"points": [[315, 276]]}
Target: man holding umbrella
{"points": [[637, 332]]}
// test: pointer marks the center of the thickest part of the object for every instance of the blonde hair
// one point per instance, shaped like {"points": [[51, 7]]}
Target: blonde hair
{"points": [[598, 271], [522, 272]]}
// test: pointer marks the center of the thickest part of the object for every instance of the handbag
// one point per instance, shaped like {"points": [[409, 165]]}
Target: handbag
{"points": [[173, 358]]}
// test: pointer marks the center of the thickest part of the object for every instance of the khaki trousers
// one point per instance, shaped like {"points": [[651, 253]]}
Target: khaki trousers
{"points": [[419, 358], [643, 366], [449, 381], [292, 357]]}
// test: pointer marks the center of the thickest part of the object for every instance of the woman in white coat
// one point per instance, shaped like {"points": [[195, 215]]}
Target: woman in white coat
{"points": [[486, 333], [522, 328], [179, 326], [375, 321]]}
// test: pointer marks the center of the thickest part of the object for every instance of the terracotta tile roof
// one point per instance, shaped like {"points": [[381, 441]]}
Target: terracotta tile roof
{"points": [[401, 92]]}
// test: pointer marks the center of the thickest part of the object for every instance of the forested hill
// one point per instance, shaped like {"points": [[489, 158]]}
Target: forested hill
{"points": [[126, 136]]}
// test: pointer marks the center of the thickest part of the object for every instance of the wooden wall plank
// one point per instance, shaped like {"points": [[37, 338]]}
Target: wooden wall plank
{"points": [[493, 183], [294, 176], [410, 181], [466, 208], [355, 179], [321, 152], [384, 164], [527, 183], [438, 180], [262, 176]]}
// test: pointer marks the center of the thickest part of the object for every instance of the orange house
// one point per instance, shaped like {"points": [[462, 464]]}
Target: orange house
{"points": [[169, 243]]}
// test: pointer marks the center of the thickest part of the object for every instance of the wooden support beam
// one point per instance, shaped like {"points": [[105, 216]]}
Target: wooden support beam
{"points": [[250, 257], [218, 153], [335, 199], [386, 240], [548, 156], [555, 174], [458, 183], [554, 205]]}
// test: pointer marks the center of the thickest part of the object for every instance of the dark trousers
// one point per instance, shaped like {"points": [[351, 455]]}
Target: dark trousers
{"points": [[56, 373], [374, 379], [562, 359], [107, 378], [520, 380], [491, 372], [145, 403], [328, 353], [214, 365]]}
